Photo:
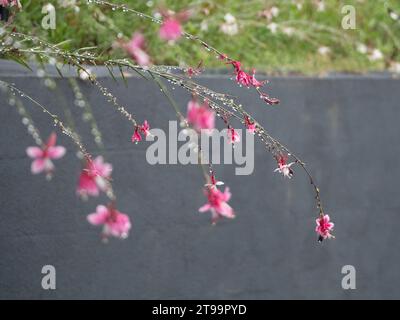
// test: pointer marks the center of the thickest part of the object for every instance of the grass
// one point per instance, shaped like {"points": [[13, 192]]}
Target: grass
{"points": [[254, 44]]}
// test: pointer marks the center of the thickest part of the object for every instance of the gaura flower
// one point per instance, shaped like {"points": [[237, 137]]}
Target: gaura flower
{"points": [[243, 78], [144, 128], [43, 156], [201, 117], [171, 27], [114, 223], [284, 167], [233, 136], [250, 126], [136, 49], [217, 204], [194, 71], [324, 228], [93, 177]]}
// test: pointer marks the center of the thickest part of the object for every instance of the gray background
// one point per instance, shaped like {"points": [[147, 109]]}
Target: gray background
{"points": [[344, 127]]}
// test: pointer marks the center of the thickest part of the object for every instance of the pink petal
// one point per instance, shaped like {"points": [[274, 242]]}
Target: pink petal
{"points": [[87, 185], [205, 208], [99, 217], [226, 210], [34, 152], [51, 142], [38, 166], [56, 152]]}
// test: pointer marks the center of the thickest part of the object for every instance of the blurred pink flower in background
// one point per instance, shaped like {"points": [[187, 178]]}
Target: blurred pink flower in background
{"points": [[201, 117], [114, 223], [93, 178], [136, 49], [43, 156], [217, 203], [324, 227], [171, 28]]}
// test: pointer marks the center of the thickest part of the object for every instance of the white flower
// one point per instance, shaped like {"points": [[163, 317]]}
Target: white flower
{"points": [[229, 18], [394, 15], [274, 11], [362, 48], [288, 31], [230, 27], [204, 25], [395, 67], [375, 55], [320, 6], [324, 50], [273, 27]]}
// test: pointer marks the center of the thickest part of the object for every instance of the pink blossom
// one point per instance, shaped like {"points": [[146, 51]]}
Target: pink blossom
{"points": [[217, 204], [193, 71], [43, 156], [171, 29], [201, 117], [250, 126], [324, 228], [136, 49], [243, 78], [233, 136], [284, 167], [144, 128], [114, 223], [93, 177]]}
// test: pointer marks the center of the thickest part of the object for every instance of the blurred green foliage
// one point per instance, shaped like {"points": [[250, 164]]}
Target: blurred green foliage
{"points": [[308, 36]]}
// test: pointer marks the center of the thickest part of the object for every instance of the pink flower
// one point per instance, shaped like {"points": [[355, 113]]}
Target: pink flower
{"points": [[170, 30], [194, 71], [243, 78], [250, 126], [171, 27], [217, 204], [233, 136], [114, 223], [324, 228], [136, 49], [43, 156], [284, 167], [144, 128], [93, 178], [201, 117]]}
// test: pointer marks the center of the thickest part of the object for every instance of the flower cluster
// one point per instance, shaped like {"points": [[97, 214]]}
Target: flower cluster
{"points": [[244, 78], [144, 128], [171, 27]]}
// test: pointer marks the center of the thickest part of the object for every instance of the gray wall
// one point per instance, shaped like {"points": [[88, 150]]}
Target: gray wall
{"points": [[346, 129]]}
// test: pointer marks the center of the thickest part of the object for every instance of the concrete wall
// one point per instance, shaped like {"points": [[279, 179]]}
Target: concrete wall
{"points": [[346, 129]]}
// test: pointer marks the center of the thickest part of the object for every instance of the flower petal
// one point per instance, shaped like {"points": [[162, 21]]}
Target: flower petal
{"points": [[56, 152], [38, 166], [34, 152]]}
